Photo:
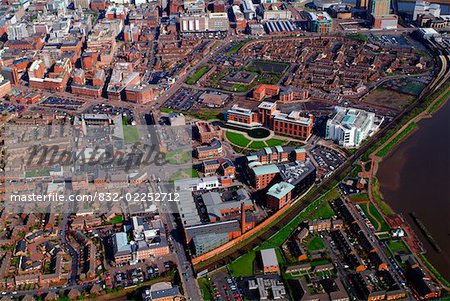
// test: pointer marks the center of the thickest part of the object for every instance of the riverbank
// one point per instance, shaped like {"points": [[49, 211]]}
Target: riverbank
{"points": [[386, 147]]}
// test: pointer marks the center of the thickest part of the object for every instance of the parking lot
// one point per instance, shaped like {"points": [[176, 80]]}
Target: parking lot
{"points": [[111, 110], [10, 108], [224, 287], [62, 103], [183, 99], [327, 159]]}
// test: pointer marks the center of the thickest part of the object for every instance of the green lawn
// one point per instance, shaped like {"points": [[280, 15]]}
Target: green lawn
{"points": [[379, 220], [37, 173], [274, 142], [398, 247], [316, 244], [237, 139], [205, 288], [323, 211], [359, 197], [178, 157], [197, 75], [243, 266], [359, 37], [235, 48], [130, 134], [185, 173], [118, 219], [257, 145], [384, 207], [240, 88], [438, 103]]}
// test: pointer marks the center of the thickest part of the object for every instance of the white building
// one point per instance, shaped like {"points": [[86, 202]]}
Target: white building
{"points": [[249, 9], [324, 4], [349, 127], [202, 22], [18, 31], [196, 184], [423, 7], [85, 4]]}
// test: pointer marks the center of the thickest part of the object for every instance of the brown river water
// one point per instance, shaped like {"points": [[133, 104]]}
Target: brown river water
{"points": [[415, 177]]}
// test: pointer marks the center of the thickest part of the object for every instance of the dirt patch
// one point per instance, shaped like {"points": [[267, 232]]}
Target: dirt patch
{"points": [[388, 99]]}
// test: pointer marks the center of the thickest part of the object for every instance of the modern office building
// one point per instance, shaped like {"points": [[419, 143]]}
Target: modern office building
{"points": [[380, 16], [263, 175], [326, 4], [363, 4], [320, 22], [349, 127], [121, 248], [203, 22], [379, 7], [293, 124], [300, 174], [279, 195], [423, 7]]}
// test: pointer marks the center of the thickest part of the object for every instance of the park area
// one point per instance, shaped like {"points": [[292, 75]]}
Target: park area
{"points": [[193, 79], [370, 211], [240, 140], [130, 134], [263, 66], [184, 174]]}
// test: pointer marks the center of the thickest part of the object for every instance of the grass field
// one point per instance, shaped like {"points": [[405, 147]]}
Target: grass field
{"points": [[438, 103], [359, 37], [358, 198], [37, 173], [118, 219], [237, 139], [178, 157], [263, 66], [235, 48], [197, 75], [274, 142], [205, 288], [377, 220], [384, 207], [316, 244], [257, 145], [184, 174], [130, 134], [243, 266], [240, 88], [398, 247]]}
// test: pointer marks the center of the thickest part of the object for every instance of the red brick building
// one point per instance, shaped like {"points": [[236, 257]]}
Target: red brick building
{"points": [[293, 124], [279, 195], [264, 90], [263, 175]]}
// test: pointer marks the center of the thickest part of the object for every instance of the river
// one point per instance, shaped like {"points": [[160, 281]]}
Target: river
{"points": [[415, 177]]}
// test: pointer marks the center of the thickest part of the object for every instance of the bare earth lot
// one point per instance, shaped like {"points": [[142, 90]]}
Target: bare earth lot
{"points": [[388, 99]]}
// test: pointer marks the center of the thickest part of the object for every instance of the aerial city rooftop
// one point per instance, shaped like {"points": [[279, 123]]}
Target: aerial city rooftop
{"points": [[214, 150]]}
